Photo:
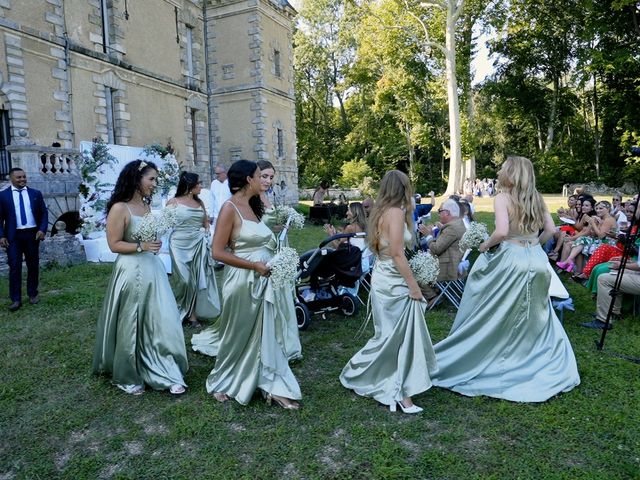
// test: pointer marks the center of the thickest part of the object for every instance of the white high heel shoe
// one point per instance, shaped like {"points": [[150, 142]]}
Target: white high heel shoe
{"points": [[413, 409]]}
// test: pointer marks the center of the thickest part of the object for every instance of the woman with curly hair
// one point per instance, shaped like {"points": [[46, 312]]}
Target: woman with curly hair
{"points": [[139, 340]]}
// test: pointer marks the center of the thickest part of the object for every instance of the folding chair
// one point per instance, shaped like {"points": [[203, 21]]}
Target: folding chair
{"points": [[452, 289]]}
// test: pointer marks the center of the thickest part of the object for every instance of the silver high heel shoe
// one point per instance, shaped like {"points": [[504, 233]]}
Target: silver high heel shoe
{"points": [[413, 409]]}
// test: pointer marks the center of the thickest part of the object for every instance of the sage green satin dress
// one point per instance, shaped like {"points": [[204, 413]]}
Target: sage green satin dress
{"points": [[289, 335], [506, 341], [193, 276], [139, 338], [250, 357], [398, 361]]}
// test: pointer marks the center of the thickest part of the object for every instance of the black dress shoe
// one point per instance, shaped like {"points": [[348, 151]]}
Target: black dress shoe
{"points": [[34, 300], [14, 306], [596, 324]]}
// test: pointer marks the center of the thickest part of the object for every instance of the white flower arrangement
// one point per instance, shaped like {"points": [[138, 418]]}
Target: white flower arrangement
{"points": [[155, 224], [425, 268], [284, 213], [284, 267], [94, 194], [473, 237]]}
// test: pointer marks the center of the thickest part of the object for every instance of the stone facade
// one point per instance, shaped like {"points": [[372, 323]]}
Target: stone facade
{"points": [[214, 78]]}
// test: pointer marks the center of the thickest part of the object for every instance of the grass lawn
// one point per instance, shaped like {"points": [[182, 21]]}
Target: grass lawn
{"points": [[59, 421]]}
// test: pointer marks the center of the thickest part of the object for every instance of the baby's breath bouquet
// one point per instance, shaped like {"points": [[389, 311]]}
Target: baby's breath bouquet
{"points": [[155, 224], [474, 236], [425, 268], [284, 266], [283, 213]]}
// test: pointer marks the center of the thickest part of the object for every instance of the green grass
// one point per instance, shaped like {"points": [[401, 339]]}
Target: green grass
{"points": [[59, 421]]}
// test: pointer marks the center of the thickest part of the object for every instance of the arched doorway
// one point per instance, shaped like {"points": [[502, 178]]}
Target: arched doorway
{"points": [[71, 220]]}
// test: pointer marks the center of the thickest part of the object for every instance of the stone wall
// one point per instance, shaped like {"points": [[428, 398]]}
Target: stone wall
{"points": [[62, 250]]}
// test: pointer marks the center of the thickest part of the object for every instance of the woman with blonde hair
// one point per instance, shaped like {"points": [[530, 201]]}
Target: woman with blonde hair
{"points": [[396, 362], [506, 341]]}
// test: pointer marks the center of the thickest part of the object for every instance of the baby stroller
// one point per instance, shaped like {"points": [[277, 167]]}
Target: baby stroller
{"points": [[321, 274]]}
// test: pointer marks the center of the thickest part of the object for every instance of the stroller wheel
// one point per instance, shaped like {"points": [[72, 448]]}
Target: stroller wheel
{"points": [[303, 317], [348, 305]]}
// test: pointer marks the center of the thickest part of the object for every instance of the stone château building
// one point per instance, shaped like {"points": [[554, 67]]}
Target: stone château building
{"points": [[213, 77]]}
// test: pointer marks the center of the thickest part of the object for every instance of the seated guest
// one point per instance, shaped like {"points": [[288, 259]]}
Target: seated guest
{"points": [[630, 283], [320, 193], [601, 230], [367, 205], [447, 245], [423, 209]]}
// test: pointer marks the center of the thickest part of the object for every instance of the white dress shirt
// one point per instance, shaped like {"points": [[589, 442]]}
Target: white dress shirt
{"points": [[31, 221], [219, 194]]}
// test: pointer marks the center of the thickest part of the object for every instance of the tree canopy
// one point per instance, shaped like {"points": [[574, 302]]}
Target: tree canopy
{"points": [[375, 89]]}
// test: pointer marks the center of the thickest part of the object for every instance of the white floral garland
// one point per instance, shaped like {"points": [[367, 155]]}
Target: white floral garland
{"points": [[169, 172], [94, 194]]}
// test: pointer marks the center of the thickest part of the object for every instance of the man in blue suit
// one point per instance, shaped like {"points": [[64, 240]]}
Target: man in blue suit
{"points": [[23, 224]]}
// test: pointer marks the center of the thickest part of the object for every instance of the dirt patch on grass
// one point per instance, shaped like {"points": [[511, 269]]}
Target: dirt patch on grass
{"points": [[134, 448]]}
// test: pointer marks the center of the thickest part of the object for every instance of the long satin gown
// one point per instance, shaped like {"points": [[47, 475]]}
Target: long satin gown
{"points": [[506, 341], [289, 335], [194, 280], [250, 356], [398, 360], [139, 338]]}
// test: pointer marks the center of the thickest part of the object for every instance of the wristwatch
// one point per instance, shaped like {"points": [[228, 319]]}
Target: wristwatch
{"points": [[138, 247]]}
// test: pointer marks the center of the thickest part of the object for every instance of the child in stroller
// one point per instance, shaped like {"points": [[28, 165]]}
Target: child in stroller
{"points": [[321, 274]]}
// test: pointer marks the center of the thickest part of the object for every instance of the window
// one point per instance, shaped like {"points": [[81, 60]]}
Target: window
{"points": [[190, 71], [109, 93], [276, 63], [194, 135], [104, 11], [280, 143]]}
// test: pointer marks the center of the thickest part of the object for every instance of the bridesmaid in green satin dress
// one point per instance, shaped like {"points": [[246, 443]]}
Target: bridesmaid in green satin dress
{"points": [[506, 341], [250, 356], [287, 330], [396, 363], [139, 340], [193, 279]]}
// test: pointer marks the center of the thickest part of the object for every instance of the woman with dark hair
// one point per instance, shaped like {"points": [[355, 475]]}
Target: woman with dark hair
{"points": [[250, 356], [194, 280], [139, 340]]}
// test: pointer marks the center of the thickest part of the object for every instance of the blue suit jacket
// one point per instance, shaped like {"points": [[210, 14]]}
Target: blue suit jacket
{"points": [[8, 221]]}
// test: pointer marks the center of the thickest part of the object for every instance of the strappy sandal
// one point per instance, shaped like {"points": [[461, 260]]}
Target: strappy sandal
{"points": [[221, 397], [177, 389]]}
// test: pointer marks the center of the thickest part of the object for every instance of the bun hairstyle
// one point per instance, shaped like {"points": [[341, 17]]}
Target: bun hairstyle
{"points": [[237, 178], [188, 181], [129, 181]]}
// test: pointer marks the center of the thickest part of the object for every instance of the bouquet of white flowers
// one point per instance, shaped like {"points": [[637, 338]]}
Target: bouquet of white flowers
{"points": [[473, 237], [283, 213], [155, 224], [425, 268], [284, 266]]}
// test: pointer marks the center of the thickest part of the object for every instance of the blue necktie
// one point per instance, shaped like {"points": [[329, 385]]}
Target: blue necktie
{"points": [[23, 211]]}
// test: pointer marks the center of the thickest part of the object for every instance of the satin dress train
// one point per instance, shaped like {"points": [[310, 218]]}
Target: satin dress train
{"points": [[250, 356], [193, 279], [398, 360], [139, 338], [506, 341]]}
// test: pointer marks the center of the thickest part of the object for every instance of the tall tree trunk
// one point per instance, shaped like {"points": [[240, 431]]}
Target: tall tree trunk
{"points": [[596, 126], [540, 139], [412, 152], [554, 113], [455, 151]]}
